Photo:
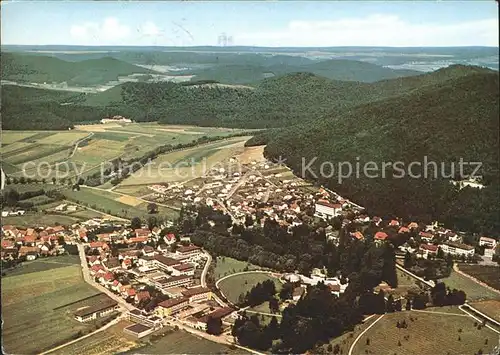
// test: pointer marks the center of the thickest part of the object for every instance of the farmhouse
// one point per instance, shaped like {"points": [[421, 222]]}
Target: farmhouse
{"points": [[96, 311], [381, 236], [172, 306]]}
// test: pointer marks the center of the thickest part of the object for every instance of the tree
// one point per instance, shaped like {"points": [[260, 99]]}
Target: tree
{"points": [[152, 208], [214, 325], [274, 306], [135, 223], [152, 222], [60, 240]]}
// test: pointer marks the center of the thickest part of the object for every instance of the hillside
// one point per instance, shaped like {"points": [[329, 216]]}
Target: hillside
{"points": [[39, 69], [444, 122], [335, 69]]}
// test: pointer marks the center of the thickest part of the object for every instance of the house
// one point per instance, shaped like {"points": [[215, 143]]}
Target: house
{"points": [[31, 255], [428, 249], [185, 239], [488, 242], [148, 251], [220, 313], [457, 249], [99, 310], [298, 292], [116, 285], [335, 289], [183, 269], [126, 263], [172, 306], [403, 230], [413, 225], [426, 236], [197, 294], [112, 263], [142, 232], [142, 296], [381, 236], [24, 250], [99, 246], [169, 238], [357, 235], [327, 210], [394, 223]]}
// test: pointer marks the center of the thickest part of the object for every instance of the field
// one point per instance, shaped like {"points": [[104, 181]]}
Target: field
{"points": [[428, 334], [490, 275], [226, 266], [180, 342], [110, 341], [105, 142], [39, 219], [43, 264], [473, 290], [110, 202], [186, 164], [490, 308], [233, 286], [37, 302]]}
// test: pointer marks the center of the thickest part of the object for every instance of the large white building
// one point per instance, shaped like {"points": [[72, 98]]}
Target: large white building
{"points": [[487, 242], [457, 249], [325, 209]]}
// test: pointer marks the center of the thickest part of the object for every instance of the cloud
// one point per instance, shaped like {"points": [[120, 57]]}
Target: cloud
{"points": [[377, 30], [150, 29], [109, 31]]}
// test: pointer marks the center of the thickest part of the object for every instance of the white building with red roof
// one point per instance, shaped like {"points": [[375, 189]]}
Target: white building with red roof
{"points": [[325, 209]]}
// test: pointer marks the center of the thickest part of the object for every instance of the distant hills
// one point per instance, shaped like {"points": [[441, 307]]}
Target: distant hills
{"points": [[26, 68]]}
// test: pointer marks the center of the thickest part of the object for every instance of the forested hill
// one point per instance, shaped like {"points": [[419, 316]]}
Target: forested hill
{"points": [[455, 119], [335, 69], [275, 102], [39, 69]]}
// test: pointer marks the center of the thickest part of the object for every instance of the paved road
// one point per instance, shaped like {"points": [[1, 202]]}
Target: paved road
{"points": [[88, 278], [78, 142], [362, 333], [205, 270]]}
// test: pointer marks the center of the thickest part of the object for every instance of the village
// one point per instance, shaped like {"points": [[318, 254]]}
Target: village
{"points": [[155, 277]]}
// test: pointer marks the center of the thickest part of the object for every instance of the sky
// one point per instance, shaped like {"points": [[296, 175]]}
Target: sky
{"points": [[251, 23]]}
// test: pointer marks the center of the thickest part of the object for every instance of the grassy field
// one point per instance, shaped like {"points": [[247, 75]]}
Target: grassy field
{"points": [[490, 275], [232, 287], [36, 303], [111, 341], [180, 342], [490, 308], [226, 266], [43, 264], [187, 163], [40, 219], [428, 334], [473, 290], [110, 202], [108, 142], [345, 340]]}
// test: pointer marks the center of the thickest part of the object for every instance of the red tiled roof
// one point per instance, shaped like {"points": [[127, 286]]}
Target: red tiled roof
{"points": [[381, 236], [394, 223], [166, 261], [328, 204], [143, 295], [426, 235], [429, 247], [413, 225], [358, 235], [170, 236], [403, 230], [131, 292]]}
